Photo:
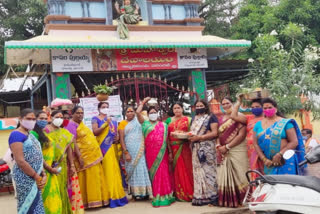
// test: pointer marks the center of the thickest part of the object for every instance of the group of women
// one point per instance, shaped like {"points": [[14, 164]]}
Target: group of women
{"points": [[64, 167]]}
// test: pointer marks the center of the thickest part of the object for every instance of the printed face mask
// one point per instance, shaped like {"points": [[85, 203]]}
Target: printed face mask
{"points": [[57, 122], [42, 123], [104, 110], [28, 124], [153, 117], [200, 111], [269, 112], [257, 111]]}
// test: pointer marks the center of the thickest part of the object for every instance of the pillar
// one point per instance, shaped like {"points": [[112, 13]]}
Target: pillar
{"points": [[197, 83], [61, 86]]}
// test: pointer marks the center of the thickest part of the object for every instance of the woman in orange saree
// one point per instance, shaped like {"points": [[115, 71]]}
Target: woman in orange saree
{"points": [[250, 120], [180, 154]]}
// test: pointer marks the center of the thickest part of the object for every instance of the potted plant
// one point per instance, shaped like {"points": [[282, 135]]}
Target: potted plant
{"points": [[102, 92]]}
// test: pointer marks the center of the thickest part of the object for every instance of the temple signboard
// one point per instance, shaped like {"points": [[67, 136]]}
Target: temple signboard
{"points": [[146, 59], [71, 60], [85, 60], [192, 58]]}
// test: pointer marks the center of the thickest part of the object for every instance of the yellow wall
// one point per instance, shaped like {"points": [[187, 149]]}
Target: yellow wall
{"points": [[4, 135]]}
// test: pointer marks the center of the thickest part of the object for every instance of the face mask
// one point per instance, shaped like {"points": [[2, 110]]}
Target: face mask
{"points": [[104, 110], [153, 117], [42, 123], [28, 124], [257, 111], [304, 137], [57, 122], [269, 112], [200, 111]]}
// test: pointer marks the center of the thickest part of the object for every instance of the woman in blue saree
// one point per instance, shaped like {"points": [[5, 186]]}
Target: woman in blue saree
{"points": [[273, 136], [28, 170], [133, 147]]}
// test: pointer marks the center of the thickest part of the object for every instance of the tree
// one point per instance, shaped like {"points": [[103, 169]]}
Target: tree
{"points": [[218, 16], [287, 73], [20, 20]]}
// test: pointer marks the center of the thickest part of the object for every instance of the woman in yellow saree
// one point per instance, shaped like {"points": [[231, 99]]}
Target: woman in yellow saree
{"points": [[91, 177], [50, 193], [62, 156], [106, 131]]}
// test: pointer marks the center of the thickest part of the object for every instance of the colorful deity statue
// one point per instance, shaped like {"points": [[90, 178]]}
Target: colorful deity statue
{"points": [[129, 14]]}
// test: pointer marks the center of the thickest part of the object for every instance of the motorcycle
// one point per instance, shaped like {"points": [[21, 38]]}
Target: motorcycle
{"points": [[274, 194], [5, 176]]}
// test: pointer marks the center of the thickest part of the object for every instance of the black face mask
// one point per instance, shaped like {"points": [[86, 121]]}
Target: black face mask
{"points": [[200, 111]]}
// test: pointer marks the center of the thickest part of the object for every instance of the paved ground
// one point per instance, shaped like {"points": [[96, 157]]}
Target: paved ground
{"points": [[8, 206], [8, 202]]}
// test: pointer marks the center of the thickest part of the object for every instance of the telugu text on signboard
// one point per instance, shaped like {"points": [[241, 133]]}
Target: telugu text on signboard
{"points": [[71, 60], [192, 58]]}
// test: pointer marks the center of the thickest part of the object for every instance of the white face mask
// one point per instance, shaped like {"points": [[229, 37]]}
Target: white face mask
{"points": [[153, 116], [57, 122], [104, 111], [28, 124]]}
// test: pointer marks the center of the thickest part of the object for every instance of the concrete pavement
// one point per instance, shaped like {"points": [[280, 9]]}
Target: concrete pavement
{"points": [[8, 206]]}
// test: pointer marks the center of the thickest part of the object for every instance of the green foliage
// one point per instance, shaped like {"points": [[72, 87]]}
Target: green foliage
{"points": [[102, 89], [288, 74], [20, 20]]}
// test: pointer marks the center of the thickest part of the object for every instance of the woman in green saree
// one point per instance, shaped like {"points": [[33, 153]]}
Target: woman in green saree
{"points": [[50, 194], [62, 156]]}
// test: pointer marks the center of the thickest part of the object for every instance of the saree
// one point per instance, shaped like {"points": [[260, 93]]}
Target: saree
{"points": [[62, 140], [254, 161], [137, 171], [129, 17], [204, 165], [182, 159], [51, 193], [91, 177], [116, 196], [270, 143], [29, 199], [232, 167], [157, 158]]}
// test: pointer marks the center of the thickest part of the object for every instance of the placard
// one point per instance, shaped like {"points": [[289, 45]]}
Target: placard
{"points": [[90, 107], [71, 60], [192, 58], [146, 59]]}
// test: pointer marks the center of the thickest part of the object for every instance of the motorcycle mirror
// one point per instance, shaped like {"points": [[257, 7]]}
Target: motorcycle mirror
{"points": [[288, 154]]}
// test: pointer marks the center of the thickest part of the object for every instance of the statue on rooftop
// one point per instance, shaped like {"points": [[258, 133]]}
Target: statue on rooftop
{"points": [[129, 14]]}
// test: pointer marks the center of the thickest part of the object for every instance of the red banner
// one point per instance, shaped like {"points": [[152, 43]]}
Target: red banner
{"points": [[146, 59]]}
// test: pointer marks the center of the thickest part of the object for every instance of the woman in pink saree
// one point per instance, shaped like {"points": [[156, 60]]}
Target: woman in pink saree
{"points": [[157, 157]]}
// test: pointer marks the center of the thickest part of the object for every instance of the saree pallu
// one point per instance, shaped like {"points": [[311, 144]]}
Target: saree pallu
{"points": [[91, 177], [62, 140], [158, 162], [254, 161], [232, 181], [116, 196], [137, 171], [51, 193], [270, 143], [28, 195], [204, 170], [182, 159]]}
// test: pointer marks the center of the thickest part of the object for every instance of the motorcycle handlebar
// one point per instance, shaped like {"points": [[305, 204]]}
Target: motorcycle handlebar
{"points": [[303, 163]]}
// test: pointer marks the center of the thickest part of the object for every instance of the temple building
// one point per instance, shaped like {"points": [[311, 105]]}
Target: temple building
{"points": [[140, 48]]}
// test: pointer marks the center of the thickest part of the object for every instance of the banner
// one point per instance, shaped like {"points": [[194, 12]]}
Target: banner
{"points": [[71, 60], [192, 58], [90, 107], [146, 59], [104, 60]]}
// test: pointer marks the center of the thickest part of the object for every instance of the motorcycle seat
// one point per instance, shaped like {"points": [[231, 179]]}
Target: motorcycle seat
{"points": [[310, 182]]}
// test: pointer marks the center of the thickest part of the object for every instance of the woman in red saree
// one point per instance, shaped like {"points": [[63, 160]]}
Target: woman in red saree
{"points": [[180, 154], [250, 120], [157, 158], [232, 159]]}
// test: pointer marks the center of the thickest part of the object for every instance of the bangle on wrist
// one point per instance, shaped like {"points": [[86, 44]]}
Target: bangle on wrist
{"points": [[227, 147], [280, 154]]}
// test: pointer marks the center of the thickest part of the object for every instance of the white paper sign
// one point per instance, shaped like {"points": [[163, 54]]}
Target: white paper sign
{"points": [[197, 59], [90, 107], [71, 60]]}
